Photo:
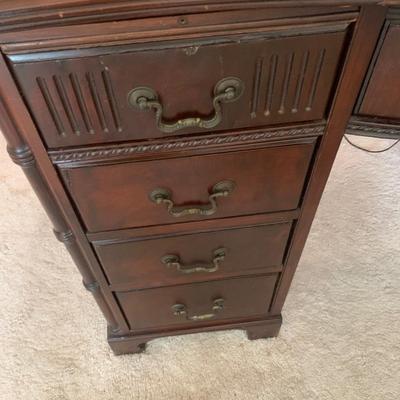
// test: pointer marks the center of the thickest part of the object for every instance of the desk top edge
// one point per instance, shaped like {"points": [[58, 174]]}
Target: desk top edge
{"points": [[64, 8]]}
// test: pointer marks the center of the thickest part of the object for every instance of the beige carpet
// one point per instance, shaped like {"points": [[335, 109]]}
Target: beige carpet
{"points": [[341, 334]]}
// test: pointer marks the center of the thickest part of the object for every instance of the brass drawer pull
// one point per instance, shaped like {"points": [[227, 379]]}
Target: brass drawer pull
{"points": [[164, 196], [180, 310], [225, 91], [172, 260]]}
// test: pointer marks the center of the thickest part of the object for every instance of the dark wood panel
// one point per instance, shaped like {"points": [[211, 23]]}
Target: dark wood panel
{"points": [[139, 263], [382, 97], [82, 101], [243, 297], [118, 196]]}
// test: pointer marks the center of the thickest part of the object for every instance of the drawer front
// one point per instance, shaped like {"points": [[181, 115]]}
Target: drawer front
{"points": [[198, 304], [92, 99], [111, 197], [196, 256]]}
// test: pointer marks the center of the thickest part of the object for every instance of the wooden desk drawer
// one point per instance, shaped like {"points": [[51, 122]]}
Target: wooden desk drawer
{"points": [[85, 100], [195, 303], [111, 197], [177, 259]]}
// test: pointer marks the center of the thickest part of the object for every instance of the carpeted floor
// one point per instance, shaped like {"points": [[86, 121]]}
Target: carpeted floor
{"points": [[340, 338]]}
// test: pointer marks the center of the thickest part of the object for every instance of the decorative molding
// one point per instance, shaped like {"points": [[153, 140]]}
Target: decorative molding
{"points": [[375, 129], [256, 86], [123, 151], [60, 90], [92, 287], [21, 138], [81, 101], [112, 99], [393, 15], [44, 89], [300, 81], [65, 237], [316, 79], [66, 103], [285, 87], [271, 84], [282, 78], [96, 100], [22, 156]]}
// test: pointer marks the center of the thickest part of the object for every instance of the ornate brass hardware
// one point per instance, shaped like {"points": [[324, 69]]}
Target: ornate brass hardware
{"points": [[225, 91], [180, 310], [172, 260], [164, 196]]}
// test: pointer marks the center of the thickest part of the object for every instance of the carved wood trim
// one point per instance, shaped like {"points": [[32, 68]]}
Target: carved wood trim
{"points": [[65, 87], [373, 128], [124, 151], [92, 287], [393, 15], [288, 104], [64, 237], [23, 156]]}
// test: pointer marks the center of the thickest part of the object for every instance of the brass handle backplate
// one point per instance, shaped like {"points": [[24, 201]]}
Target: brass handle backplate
{"points": [[164, 196], [225, 91], [180, 310], [172, 260]]}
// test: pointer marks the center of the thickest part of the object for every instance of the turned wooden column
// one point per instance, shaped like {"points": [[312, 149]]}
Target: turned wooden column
{"points": [[22, 155]]}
